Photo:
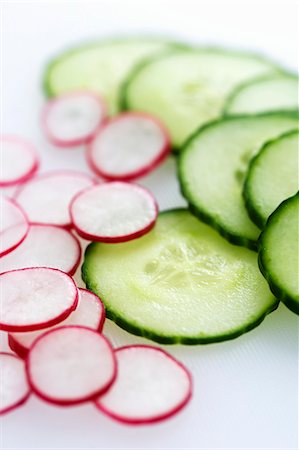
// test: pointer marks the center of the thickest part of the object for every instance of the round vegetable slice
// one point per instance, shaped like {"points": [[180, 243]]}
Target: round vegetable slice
{"points": [[150, 386], [19, 160], [129, 146], [14, 387], [181, 283], [14, 226], [45, 246], [35, 298], [278, 252], [71, 365], [46, 198], [272, 177], [90, 313], [113, 212], [73, 119]]}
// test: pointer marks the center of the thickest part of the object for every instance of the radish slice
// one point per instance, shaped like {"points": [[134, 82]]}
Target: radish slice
{"points": [[151, 385], [19, 161], [46, 198], [90, 313], [13, 226], [73, 119], [14, 387], [45, 246], [70, 365], [113, 212], [33, 299], [129, 146]]}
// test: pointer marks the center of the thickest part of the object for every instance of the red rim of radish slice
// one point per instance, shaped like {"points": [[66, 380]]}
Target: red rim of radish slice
{"points": [[60, 298], [41, 213], [45, 246], [26, 154], [16, 230], [21, 343], [80, 211], [90, 392], [150, 164], [21, 384], [86, 137], [101, 402]]}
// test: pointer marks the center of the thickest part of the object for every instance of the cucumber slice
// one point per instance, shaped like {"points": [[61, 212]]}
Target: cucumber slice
{"points": [[99, 66], [212, 170], [180, 283], [272, 177], [271, 93], [278, 252], [188, 87]]}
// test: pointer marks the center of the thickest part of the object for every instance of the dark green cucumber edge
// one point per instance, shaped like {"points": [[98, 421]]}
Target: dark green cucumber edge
{"points": [[152, 335], [252, 212], [200, 212], [277, 290], [281, 75]]}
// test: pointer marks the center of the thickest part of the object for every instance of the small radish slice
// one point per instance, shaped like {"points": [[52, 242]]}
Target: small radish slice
{"points": [[19, 161], [129, 146], [46, 198], [113, 212], [150, 386], [73, 119], [33, 299], [90, 313], [70, 365], [45, 246], [13, 227], [14, 386]]}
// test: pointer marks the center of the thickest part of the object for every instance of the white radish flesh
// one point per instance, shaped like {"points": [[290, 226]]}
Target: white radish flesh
{"points": [[14, 386], [13, 227]]}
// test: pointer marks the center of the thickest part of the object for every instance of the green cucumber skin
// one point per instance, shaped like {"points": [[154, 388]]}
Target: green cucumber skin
{"points": [[279, 292]]}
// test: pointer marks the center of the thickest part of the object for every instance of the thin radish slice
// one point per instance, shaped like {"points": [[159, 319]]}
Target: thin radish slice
{"points": [[129, 146], [19, 161], [151, 386], [45, 246], [90, 313], [13, 227], [71, 365], [14, 386], [113, 212], [33, 299], [46, 198], [73, 119]]}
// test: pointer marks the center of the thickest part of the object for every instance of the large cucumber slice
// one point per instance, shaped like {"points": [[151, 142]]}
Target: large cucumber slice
{"points": [[181, 283], [271, 93], [213, 165], [187, 88], [99, 66], [272, 177], [279, 253]]}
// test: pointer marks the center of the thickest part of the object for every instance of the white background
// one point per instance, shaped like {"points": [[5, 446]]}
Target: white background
{"points": [[246, 390]]}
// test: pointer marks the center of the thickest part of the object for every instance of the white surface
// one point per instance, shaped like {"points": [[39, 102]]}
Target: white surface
{"points": [[246, 390]]}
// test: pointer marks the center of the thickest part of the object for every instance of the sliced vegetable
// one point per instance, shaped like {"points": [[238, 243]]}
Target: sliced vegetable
{"points": [[14, 387], [129, 146], [13, 227], [35, 298], [213, 166], [272, 177], [278, 252], [113, 212], [70, 365], [181, 283], [151, 386]]}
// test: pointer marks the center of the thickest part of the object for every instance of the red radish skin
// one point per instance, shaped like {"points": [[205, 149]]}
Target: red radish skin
{"points": [[84, 139], [14, 216], [117, 238], [26, 150], [29, 363], [143, 169], [99, 403]]}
